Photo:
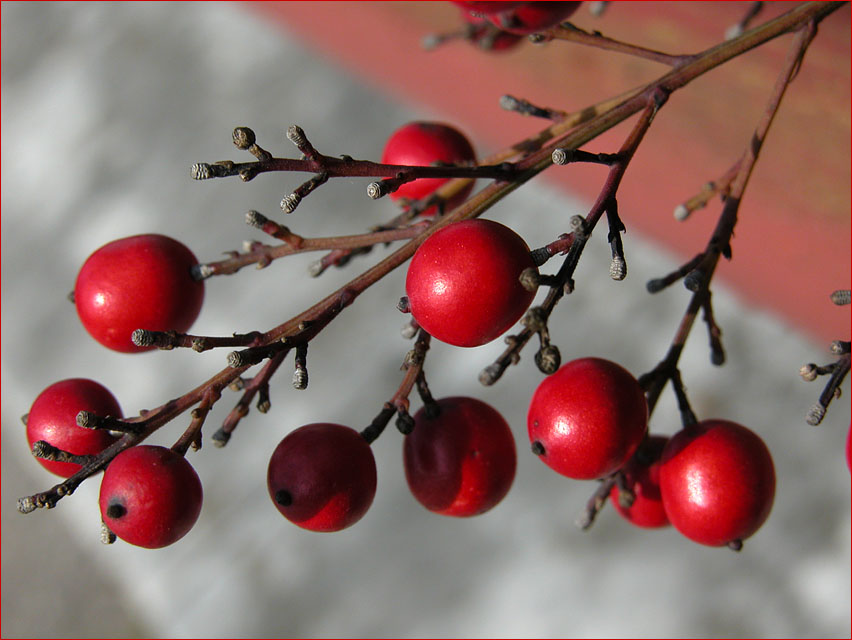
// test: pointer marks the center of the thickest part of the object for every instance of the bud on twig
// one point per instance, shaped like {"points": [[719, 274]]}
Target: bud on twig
{"points": [[376, 190], [548, 359], [841, 296], [617, 268], [300, 375], [290, 202], [243, 138]]}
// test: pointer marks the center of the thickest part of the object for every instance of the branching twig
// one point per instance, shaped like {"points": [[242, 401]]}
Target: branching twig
{"points": [[259, 385], [836, 371], [702, 267], [399, 404], [262, 255], [535, 321], [535, 156]]}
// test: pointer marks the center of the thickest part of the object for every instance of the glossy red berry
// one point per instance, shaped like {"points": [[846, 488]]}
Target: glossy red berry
{"points": [[463, 282], [642, 478], [150, 496], [421, 144], [462, 461], [322, 477], [533, 17], [140, 282], [586, 420], [717, 481], [53, 418]]}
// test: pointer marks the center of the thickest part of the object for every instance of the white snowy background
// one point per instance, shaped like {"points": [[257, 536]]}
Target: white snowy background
{"points": [[104, 109]]}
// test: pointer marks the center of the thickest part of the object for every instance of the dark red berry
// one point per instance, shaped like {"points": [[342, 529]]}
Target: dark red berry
{"points": [[533, 17], [53, 418], [642, 479], [422, 144], [140, 282], [463, 282], [586, 420], [462, 461], [485, 6], [717, 481], [150, 496], [322, 477]]}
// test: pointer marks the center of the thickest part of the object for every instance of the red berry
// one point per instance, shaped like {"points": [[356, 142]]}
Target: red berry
{"points": [[587, 419], [421, 144], [486, 7], [53, 418], [717, 481], [642, 475], [463, 282], [322, 477], [462, 461], [150, 496], [533, 17], [140, 282]]}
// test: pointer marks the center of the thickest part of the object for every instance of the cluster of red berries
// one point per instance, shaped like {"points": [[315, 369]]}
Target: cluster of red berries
{"points": [[714, 481], [459, 461], [150, 495]]}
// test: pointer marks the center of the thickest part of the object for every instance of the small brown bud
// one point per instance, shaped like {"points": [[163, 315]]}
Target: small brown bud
{"points": [[530, 279], [243, 137], [618, 268], [548, 359], [376, 190], [201, 171], [289, 203], [296, 135], [808, 372]]}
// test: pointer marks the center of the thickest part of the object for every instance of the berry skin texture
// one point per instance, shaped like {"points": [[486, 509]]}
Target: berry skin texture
{"points": [[53, 418], [420, 144], [150, 496], [642, 474], [139, 282], [586, 420], [463, 282], [717, 481], [461, 462], [322, 477]]}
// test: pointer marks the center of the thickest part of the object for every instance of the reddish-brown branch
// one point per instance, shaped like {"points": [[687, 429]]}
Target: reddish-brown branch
{"points": [[568, 32], [262, 254], [173, 339], [720, 186], [346, 166], [399, 403], [259, 385], [705, 264]]}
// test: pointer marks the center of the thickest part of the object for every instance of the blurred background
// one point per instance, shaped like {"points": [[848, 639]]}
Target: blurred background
{"points": [[105, 106]]}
